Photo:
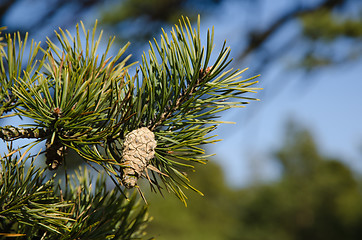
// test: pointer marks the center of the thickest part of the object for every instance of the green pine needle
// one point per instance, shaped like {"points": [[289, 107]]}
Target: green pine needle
{"points": [[90, 102]]}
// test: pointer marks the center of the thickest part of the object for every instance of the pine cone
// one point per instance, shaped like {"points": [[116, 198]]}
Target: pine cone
{"points": [[138, 149]]}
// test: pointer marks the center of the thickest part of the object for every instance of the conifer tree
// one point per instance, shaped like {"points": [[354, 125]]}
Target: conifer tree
{"points": [[151, 124]]}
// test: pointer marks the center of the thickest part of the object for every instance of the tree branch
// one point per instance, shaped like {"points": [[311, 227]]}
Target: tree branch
{"points": [[10, 133], [182, 98], [257, 38]]}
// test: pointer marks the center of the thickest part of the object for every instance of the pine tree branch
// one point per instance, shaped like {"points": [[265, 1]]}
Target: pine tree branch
{"points": [[100, 213], [178, 96], [28, 203], [10, 133], [184, 95], [78, 101], [38, 209]]}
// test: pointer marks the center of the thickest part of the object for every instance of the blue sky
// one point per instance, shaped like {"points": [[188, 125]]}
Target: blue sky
{"points": [[329, 108], [328, 103]]}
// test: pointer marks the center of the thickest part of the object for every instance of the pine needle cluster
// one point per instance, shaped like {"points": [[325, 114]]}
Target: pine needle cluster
{"points": [[79, 99]]}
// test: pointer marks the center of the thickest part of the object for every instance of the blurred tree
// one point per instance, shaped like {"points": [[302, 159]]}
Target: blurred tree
{"points": [[212, 216], [139, 20], [325, 30], [316, 198], [43, 13]]}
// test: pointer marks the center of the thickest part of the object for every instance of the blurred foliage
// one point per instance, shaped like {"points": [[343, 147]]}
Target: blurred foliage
{"points": [[141, 19], [316, 197], [327, 26], [210, 217], [324, 30]]}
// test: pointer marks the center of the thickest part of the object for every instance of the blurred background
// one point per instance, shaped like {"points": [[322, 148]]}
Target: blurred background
{"points": [[290, 168]]}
